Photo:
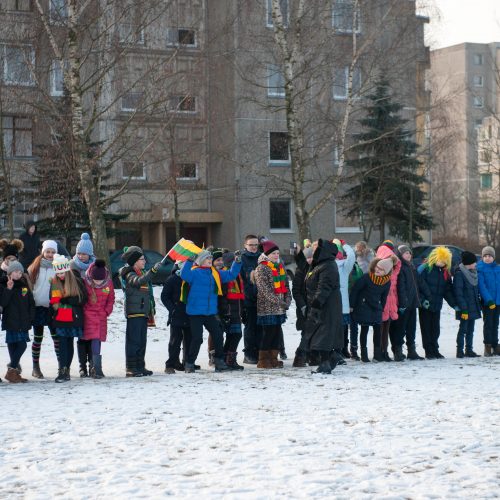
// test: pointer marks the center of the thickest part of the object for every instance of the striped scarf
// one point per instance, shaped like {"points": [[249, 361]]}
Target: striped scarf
{"points": [[380, 280], [215, 276], [235, 288], [279, 276]]}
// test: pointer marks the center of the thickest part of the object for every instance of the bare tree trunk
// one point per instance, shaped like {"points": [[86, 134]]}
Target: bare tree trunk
{"points": [[7, 186]]}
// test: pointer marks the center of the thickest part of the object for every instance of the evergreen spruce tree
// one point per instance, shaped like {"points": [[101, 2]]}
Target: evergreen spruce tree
{"points": [[385, 179]]}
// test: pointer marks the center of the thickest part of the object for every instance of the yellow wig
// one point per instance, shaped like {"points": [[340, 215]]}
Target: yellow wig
{"points": [[439, 254]]}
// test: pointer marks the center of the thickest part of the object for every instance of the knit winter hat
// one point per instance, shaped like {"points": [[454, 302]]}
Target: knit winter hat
{"points": [[227, 258], [488, 251], [132, 254], [308, 252], [468, 258], [15, 266], [49, 244], [402, 249], [11, 248], [85, 245], [61, 264], [98, 270], [217, 253], [388, 244], [203, 255], [386, 265], [269, 247]]}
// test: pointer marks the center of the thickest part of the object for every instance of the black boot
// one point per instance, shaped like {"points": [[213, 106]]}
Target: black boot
{"points": [[62, 375], [364, 355], [314, 358], [231, 361], [377, 354], [398, 353], [97, 367], [336, 359], [386, 356], [460, 353], [327, 365], [283, 355], [220, 365], [345, 353], [211, 358], [37, 373], [81, 347], [133, 369], [471, 354], [354, 354], [412, 353]]}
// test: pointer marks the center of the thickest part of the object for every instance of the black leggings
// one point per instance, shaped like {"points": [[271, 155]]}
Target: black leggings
{"points": [[16, 350], [363, 336]]}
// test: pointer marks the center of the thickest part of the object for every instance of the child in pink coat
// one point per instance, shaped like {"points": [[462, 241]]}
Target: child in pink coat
{"points": [[101, 298], [390, 313]]}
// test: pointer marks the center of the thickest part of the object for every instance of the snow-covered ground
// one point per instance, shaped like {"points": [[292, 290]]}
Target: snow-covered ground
{"points": [[421, 429]]}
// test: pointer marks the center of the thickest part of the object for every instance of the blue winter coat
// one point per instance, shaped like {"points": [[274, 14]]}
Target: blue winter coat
{"points": [[202, 298], [434, 287], [368, 300], [249, 261], [489, 282], [345, 267], [466, 295], [408, 278], [171, 299]]}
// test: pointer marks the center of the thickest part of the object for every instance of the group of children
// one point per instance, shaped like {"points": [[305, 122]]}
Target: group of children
{"points": [[339, 291]]}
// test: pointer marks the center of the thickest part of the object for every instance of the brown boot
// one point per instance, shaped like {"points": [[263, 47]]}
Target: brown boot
{"points": [[496, 351], [264, 359], [13, 376], [488, 351], [275, 362], [299, 362]]}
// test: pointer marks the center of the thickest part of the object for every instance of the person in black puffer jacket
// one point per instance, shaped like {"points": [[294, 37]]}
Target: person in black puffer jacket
{"points": [[180, 331], [32, 244], [324, 329], [408, 302]]}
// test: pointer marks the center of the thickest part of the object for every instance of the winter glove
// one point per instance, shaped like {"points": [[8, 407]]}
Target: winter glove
{"points": [[402, 310], [314, 316], [490, 304], [464, 315], [155, 268], [426, 304], [303, 310], [237, 256]]}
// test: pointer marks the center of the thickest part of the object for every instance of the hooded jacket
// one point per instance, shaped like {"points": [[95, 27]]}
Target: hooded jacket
{"points": [[392, 303], [32, 245], [489, 282]]}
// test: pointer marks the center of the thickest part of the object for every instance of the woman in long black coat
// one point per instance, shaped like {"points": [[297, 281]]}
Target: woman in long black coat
{"points": [[324, 330]]}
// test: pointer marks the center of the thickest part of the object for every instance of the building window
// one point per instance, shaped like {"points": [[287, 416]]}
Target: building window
{"points": [[275, 81], [341, 83], [18, 64], [343, 20], [478, 81], [17, 137], [132, 101], [56, 79], [183, 104], [187, 172], [279, 152], [17, 5], [485, 156], [478, 59], [478, 101], [131, 34], [284, 12], [134, 170], [181, 37], [486, 181], [280, 212], [58, 11]]}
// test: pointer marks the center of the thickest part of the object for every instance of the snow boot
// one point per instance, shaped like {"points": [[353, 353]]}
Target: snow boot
{"points": [[354, 354], [471, 354], [412, 353], [220, 365], [19, 370], [211, 358], [438, 355], [314, 358], [283, 355], [62, 375], [264, 360], [275, 362], [13, 376], [364, 355], [250, 359], [299, 361], [324, 367], [189, 367], [178, 366], [488, 351], [81, 348], [336, 358], [496, 350], [386, 356], [133, 369], [37, 373], [96, 370], [398, 354], [377, 355], [460, 353], [232, 361]]}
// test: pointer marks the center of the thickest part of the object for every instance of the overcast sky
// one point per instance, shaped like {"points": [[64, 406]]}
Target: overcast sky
{"points": [[464, 21]]}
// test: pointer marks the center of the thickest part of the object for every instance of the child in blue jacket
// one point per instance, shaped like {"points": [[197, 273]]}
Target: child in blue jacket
{"points": [[466, 290], [205, 286], [488, 272]]}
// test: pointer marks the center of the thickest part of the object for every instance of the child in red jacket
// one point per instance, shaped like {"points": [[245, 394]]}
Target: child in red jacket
{"points": [[101, 298]]}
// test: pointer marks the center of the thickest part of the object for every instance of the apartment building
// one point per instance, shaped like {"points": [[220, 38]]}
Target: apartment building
{"points": [[465, 91], [194, 106]]}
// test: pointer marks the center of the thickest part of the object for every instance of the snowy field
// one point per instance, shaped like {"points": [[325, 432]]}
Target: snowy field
{"points": [[420, 429]]}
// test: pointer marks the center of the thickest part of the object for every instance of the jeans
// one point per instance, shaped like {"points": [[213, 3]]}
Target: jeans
{"points": [[466, 329], [490, 325], [16, 350]]}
